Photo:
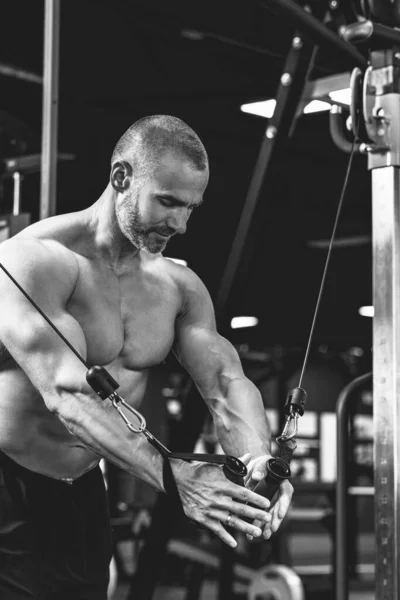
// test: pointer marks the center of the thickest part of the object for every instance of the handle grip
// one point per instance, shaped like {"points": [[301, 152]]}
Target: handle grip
{"points": [[235, 470], [278, 470]]}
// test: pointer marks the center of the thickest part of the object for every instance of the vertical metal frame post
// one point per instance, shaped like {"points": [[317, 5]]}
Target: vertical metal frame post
{"points": [[383, 86], [386, 382], [343, 459], [50, 108]]}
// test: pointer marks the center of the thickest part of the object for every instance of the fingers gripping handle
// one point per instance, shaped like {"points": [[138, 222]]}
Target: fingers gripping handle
{"points": [[277, 471]]}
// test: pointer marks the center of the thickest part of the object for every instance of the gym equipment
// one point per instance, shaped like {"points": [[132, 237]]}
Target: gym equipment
{"points": [[51, 51], [342, 486], [375, 117], [18, 166], [276, 582]]}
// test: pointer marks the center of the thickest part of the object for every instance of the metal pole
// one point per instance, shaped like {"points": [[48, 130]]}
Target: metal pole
{"points": [[299, 62], [384, 128], [50, 108], [17, 177], [315, 30], [12, 71], [341, 506], [386, 361]]}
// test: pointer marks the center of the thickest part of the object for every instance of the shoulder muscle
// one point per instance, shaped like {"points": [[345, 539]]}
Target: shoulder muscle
{"points": [[197, 305], [47, 271], [44, 268]]}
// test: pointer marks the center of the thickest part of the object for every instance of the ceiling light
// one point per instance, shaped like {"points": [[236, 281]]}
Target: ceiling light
{"points": [[327, 90], [264, 108], [366, 311], [341, 96], [316, 106], [241, 322]]}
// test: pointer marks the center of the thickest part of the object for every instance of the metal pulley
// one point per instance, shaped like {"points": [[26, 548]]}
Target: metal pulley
{"points": [[276, 582]]}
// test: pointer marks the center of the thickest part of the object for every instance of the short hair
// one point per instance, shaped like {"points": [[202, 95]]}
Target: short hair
{"points": [[149, 138]]}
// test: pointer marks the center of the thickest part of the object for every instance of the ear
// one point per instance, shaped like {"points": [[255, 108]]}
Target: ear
{"points": [[121, 176]]}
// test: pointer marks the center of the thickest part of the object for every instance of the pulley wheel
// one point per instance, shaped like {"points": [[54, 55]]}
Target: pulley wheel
{"points": [[276, 582]]}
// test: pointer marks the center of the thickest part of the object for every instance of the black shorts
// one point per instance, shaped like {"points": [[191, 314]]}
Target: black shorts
{"points": [[55, 541]]}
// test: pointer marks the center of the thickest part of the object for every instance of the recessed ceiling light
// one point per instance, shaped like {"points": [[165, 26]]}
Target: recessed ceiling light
{"points": [[341, 96], [266, 108], [316, 106], [366, 311], [241, 322]]}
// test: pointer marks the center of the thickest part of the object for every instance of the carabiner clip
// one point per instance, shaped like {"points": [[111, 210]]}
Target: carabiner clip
{"points": [[116, 400], [290, 420]]}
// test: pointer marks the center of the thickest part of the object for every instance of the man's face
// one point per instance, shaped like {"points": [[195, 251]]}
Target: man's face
{"points": [[158, 207]]}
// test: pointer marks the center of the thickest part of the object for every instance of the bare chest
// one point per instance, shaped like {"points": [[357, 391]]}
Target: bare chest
{"points": [[129, 320]]}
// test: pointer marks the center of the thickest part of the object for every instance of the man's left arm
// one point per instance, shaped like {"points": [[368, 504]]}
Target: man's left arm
{"points": [[234, 401]]}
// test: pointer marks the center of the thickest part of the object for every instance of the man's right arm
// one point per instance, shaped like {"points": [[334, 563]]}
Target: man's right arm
{"points": [[48, 273]]}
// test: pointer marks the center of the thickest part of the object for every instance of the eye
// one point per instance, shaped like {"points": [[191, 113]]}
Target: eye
{"points": [[167, 202]]}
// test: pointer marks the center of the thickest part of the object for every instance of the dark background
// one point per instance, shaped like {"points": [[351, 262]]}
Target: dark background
{"points": [[121, 60]]}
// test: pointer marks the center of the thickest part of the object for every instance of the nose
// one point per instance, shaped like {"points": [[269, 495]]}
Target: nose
{"points": [[178, 220]]}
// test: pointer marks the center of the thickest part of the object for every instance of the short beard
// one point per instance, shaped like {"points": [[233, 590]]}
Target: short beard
{"points": [[132, 227]]}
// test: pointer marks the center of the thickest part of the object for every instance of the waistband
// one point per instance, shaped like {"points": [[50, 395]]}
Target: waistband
{"points": [[17, 467]]}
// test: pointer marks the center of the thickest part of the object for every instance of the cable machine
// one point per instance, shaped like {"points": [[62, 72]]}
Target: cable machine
{"points": [[375, 112]]}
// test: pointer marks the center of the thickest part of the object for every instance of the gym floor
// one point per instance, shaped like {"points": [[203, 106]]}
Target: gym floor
{"points": [[316, 586], [210, 592]]}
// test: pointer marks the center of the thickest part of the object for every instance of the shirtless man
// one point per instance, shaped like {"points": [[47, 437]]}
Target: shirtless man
{"points": [[100, 276]]}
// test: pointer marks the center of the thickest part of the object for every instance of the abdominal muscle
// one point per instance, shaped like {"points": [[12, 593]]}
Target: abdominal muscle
{"points": [[34, 437]]}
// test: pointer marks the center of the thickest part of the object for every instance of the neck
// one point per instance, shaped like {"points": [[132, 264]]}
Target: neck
{"points": [[103, 225]]}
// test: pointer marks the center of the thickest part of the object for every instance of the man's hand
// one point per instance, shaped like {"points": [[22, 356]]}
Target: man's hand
{"points": [[256, 472], [211, 500]]}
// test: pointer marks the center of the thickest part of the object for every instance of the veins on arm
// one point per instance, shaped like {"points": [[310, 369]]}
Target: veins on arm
{"points": [[233, 400]]}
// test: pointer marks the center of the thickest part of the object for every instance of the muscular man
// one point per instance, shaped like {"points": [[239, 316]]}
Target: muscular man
{"points": [[100, 276]]}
